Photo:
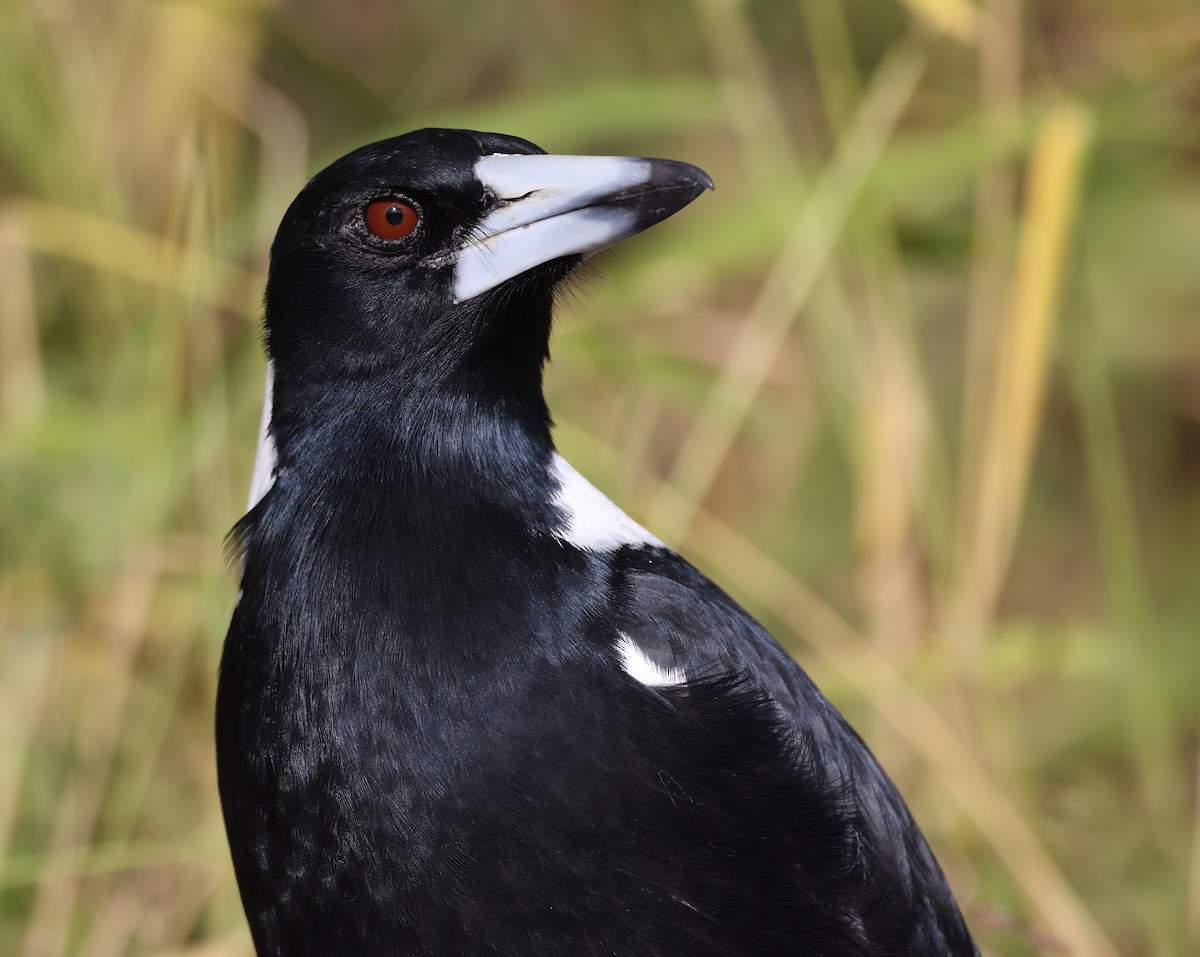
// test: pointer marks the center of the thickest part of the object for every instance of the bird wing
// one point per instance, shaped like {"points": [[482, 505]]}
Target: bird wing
{"points": [[682, 623], [688, 630]]}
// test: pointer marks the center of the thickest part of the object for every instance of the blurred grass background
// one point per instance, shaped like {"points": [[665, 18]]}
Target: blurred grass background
{"points": [[920, 383]]}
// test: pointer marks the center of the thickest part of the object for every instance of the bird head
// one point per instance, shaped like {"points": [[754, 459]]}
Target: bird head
{"points": [[409, 296], [436, 252]]}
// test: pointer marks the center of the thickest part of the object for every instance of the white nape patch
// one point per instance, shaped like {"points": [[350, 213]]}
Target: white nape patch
{"points": [[593, 521], [263, 476], [641, 668]]}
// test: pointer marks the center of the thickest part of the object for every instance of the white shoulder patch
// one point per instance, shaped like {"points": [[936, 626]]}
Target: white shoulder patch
{"points": [[639, 667], [263, 476], [593, 521]]}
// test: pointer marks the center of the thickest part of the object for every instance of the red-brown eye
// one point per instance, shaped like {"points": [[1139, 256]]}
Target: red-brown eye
{"points": [[391, 218]]}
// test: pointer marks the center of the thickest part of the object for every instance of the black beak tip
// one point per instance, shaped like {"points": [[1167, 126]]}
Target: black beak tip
{"points": [[673, 174], [702, 178]]}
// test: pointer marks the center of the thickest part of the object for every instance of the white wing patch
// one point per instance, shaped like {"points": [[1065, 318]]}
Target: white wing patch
{"points": [[263, 476], [593, 521], [639, 667]]}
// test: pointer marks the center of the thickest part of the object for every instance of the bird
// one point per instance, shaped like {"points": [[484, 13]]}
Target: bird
{"points": [[466, 705]]}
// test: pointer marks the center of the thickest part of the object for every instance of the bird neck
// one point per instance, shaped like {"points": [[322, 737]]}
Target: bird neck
{"points": [[464, 397], [396, 504], [383, 430]]}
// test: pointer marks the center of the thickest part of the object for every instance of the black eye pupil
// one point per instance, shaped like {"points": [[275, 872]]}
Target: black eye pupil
{"points": [[394, 215]]}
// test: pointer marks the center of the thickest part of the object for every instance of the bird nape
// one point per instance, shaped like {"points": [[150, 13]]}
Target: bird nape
{"points": [[468, 706]]}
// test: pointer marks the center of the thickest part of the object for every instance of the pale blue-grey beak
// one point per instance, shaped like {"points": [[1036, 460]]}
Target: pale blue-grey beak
{"points": [[551, 207]]}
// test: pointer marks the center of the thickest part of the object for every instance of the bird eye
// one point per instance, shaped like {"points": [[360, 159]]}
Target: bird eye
{"points": [[391, 218]]}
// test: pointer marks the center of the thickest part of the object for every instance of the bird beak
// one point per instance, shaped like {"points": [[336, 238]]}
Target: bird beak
{"points": [[556, 206]]}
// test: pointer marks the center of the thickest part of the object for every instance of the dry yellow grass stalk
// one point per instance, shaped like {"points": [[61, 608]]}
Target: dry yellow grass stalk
{"points": [[1024, 349]]}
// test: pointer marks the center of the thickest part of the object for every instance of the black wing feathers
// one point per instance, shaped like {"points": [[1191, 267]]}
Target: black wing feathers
{"points": [[843, 842]]}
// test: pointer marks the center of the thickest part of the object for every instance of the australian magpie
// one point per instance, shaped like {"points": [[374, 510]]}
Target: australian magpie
{"points": [[468, 706]]}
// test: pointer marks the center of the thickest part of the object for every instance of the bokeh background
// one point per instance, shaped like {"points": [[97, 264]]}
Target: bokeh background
{"points": [[920, 384]]}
